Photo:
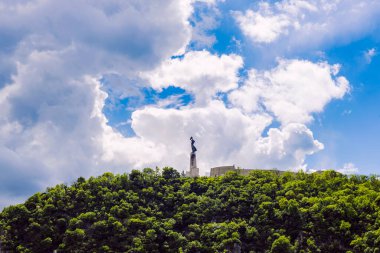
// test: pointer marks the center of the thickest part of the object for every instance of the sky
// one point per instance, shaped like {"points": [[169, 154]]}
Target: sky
{"points": [[90, 86]]}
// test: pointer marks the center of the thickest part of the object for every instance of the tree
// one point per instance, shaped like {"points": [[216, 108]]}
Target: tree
{"points": [[281, 245]]}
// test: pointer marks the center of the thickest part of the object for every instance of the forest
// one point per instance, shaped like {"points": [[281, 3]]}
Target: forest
{"points": [[162, 211]]}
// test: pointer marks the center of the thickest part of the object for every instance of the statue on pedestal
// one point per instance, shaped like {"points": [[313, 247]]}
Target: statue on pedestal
{"points": [[193, 148], [194, 170]]}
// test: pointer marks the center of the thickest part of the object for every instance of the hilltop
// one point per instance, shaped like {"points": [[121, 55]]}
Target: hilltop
{"points": [[161, 211]]}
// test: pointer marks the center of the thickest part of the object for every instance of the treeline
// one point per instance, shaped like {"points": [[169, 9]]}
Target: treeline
{"points": [[162, 211]]}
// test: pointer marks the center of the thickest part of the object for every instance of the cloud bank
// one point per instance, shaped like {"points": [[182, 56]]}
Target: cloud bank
{"points": [[301, 25]]}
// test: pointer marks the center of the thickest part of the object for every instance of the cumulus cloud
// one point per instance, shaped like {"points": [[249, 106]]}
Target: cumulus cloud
{"points": [[225, 136], [292, 91], [285, 148], [270, 21], [289, 93], [262, 28], [118, 35], [306, 24], [206, 20], [198, 72], [349, 168], [52, 128], [45, 116], [213, 126]]}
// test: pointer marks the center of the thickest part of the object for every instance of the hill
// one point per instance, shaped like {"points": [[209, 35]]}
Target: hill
{"points": [[154, 211]]}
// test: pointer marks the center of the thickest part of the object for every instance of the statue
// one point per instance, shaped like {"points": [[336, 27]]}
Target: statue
{"points": [[194, 170], [193, 148]]}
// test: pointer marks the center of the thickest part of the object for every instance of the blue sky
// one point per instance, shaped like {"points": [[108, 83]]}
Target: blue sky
{"points": [[353, 122], [113, 85]]}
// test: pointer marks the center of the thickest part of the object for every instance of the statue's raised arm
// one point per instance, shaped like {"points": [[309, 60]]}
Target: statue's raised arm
{"points": [[193, 148]]}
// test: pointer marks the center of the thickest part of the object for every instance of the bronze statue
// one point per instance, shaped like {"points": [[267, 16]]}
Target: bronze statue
{"points": [[193, 148]]}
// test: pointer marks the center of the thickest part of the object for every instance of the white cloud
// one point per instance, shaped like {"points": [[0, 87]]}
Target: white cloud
{"points": [[49, 131], [199, 72], [348, 168], [284, 148], [219, 132], [205, 21], [101, 29], [269, 22], [369, 54], [224, 136], [307, 24], [292, 91], [262, 28]]}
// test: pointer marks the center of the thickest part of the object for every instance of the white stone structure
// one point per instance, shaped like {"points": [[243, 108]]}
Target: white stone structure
{"points": [[194, 170], [221, 170]]}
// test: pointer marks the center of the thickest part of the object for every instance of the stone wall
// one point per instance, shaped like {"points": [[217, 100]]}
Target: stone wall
{"points": [[221, 170]]}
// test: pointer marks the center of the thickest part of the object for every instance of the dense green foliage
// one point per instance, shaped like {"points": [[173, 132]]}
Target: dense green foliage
{"points": [[163, 212]]}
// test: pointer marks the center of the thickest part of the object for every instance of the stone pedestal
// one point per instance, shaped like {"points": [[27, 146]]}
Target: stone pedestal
{"points": [[194, 170], [193, 160]]}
